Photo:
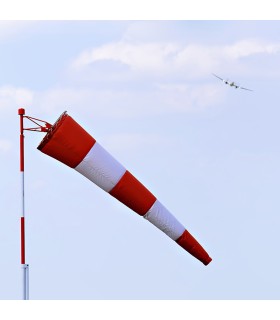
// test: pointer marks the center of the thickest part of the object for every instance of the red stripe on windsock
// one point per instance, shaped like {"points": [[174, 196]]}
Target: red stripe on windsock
{"points": [[67, 142], [188, 242], [133, 194]]}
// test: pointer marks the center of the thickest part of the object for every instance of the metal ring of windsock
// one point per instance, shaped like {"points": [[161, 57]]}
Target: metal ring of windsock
{"points": [[69, 143]]}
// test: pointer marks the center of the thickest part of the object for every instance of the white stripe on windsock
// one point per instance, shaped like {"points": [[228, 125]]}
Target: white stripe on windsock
{"points": [[160, 217], [101, 168]]}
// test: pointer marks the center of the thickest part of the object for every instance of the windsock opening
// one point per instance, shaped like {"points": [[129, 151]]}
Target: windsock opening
{"points": [[69, 143], [51, 131]]}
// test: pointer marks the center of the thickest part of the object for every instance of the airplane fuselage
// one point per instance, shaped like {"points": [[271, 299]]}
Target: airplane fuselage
{"points": [[232, 84]]}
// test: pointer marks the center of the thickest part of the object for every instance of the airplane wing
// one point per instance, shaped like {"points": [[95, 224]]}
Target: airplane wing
{"points": [[245, 88], [218, 77]]}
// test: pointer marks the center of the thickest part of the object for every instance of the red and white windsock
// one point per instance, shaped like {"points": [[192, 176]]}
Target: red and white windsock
{"points": [[69, 143]]}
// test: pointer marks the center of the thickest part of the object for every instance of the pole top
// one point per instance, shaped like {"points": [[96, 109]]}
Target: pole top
{"points": [[21, 111]]}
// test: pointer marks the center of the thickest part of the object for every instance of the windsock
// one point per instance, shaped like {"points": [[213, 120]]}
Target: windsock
{"points": [[69, 143]]}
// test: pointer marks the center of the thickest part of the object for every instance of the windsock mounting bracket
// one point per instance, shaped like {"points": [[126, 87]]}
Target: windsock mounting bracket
{"points": [[42, 125]]}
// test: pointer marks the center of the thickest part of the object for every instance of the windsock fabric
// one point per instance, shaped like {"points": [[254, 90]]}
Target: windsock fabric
{"points": [[69, 143]]}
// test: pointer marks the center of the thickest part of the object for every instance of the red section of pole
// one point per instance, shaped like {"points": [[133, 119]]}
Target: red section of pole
{"points": [[21, 113], [22, 240]]}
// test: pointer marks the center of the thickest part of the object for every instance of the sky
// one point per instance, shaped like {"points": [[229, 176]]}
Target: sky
{"points": [[210, 153]]}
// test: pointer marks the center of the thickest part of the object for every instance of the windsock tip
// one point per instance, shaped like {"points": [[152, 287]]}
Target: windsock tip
{"points": [[207, 261]]}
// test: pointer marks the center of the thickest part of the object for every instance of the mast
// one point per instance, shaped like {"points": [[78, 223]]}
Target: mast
{"points": [[24, 265]]}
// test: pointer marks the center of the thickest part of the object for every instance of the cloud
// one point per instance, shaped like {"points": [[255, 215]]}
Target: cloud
{"points": [[160, 78], [134, 77], [10, 28], [246, 48], [168, 57], [12, 96], [116, 103], [147, 56]]}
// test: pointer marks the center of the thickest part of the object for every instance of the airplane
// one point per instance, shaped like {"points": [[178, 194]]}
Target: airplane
{"points": [[231, 83]]}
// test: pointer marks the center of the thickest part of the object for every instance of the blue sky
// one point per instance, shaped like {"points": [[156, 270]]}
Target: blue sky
{"points": [[144, 90]]}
